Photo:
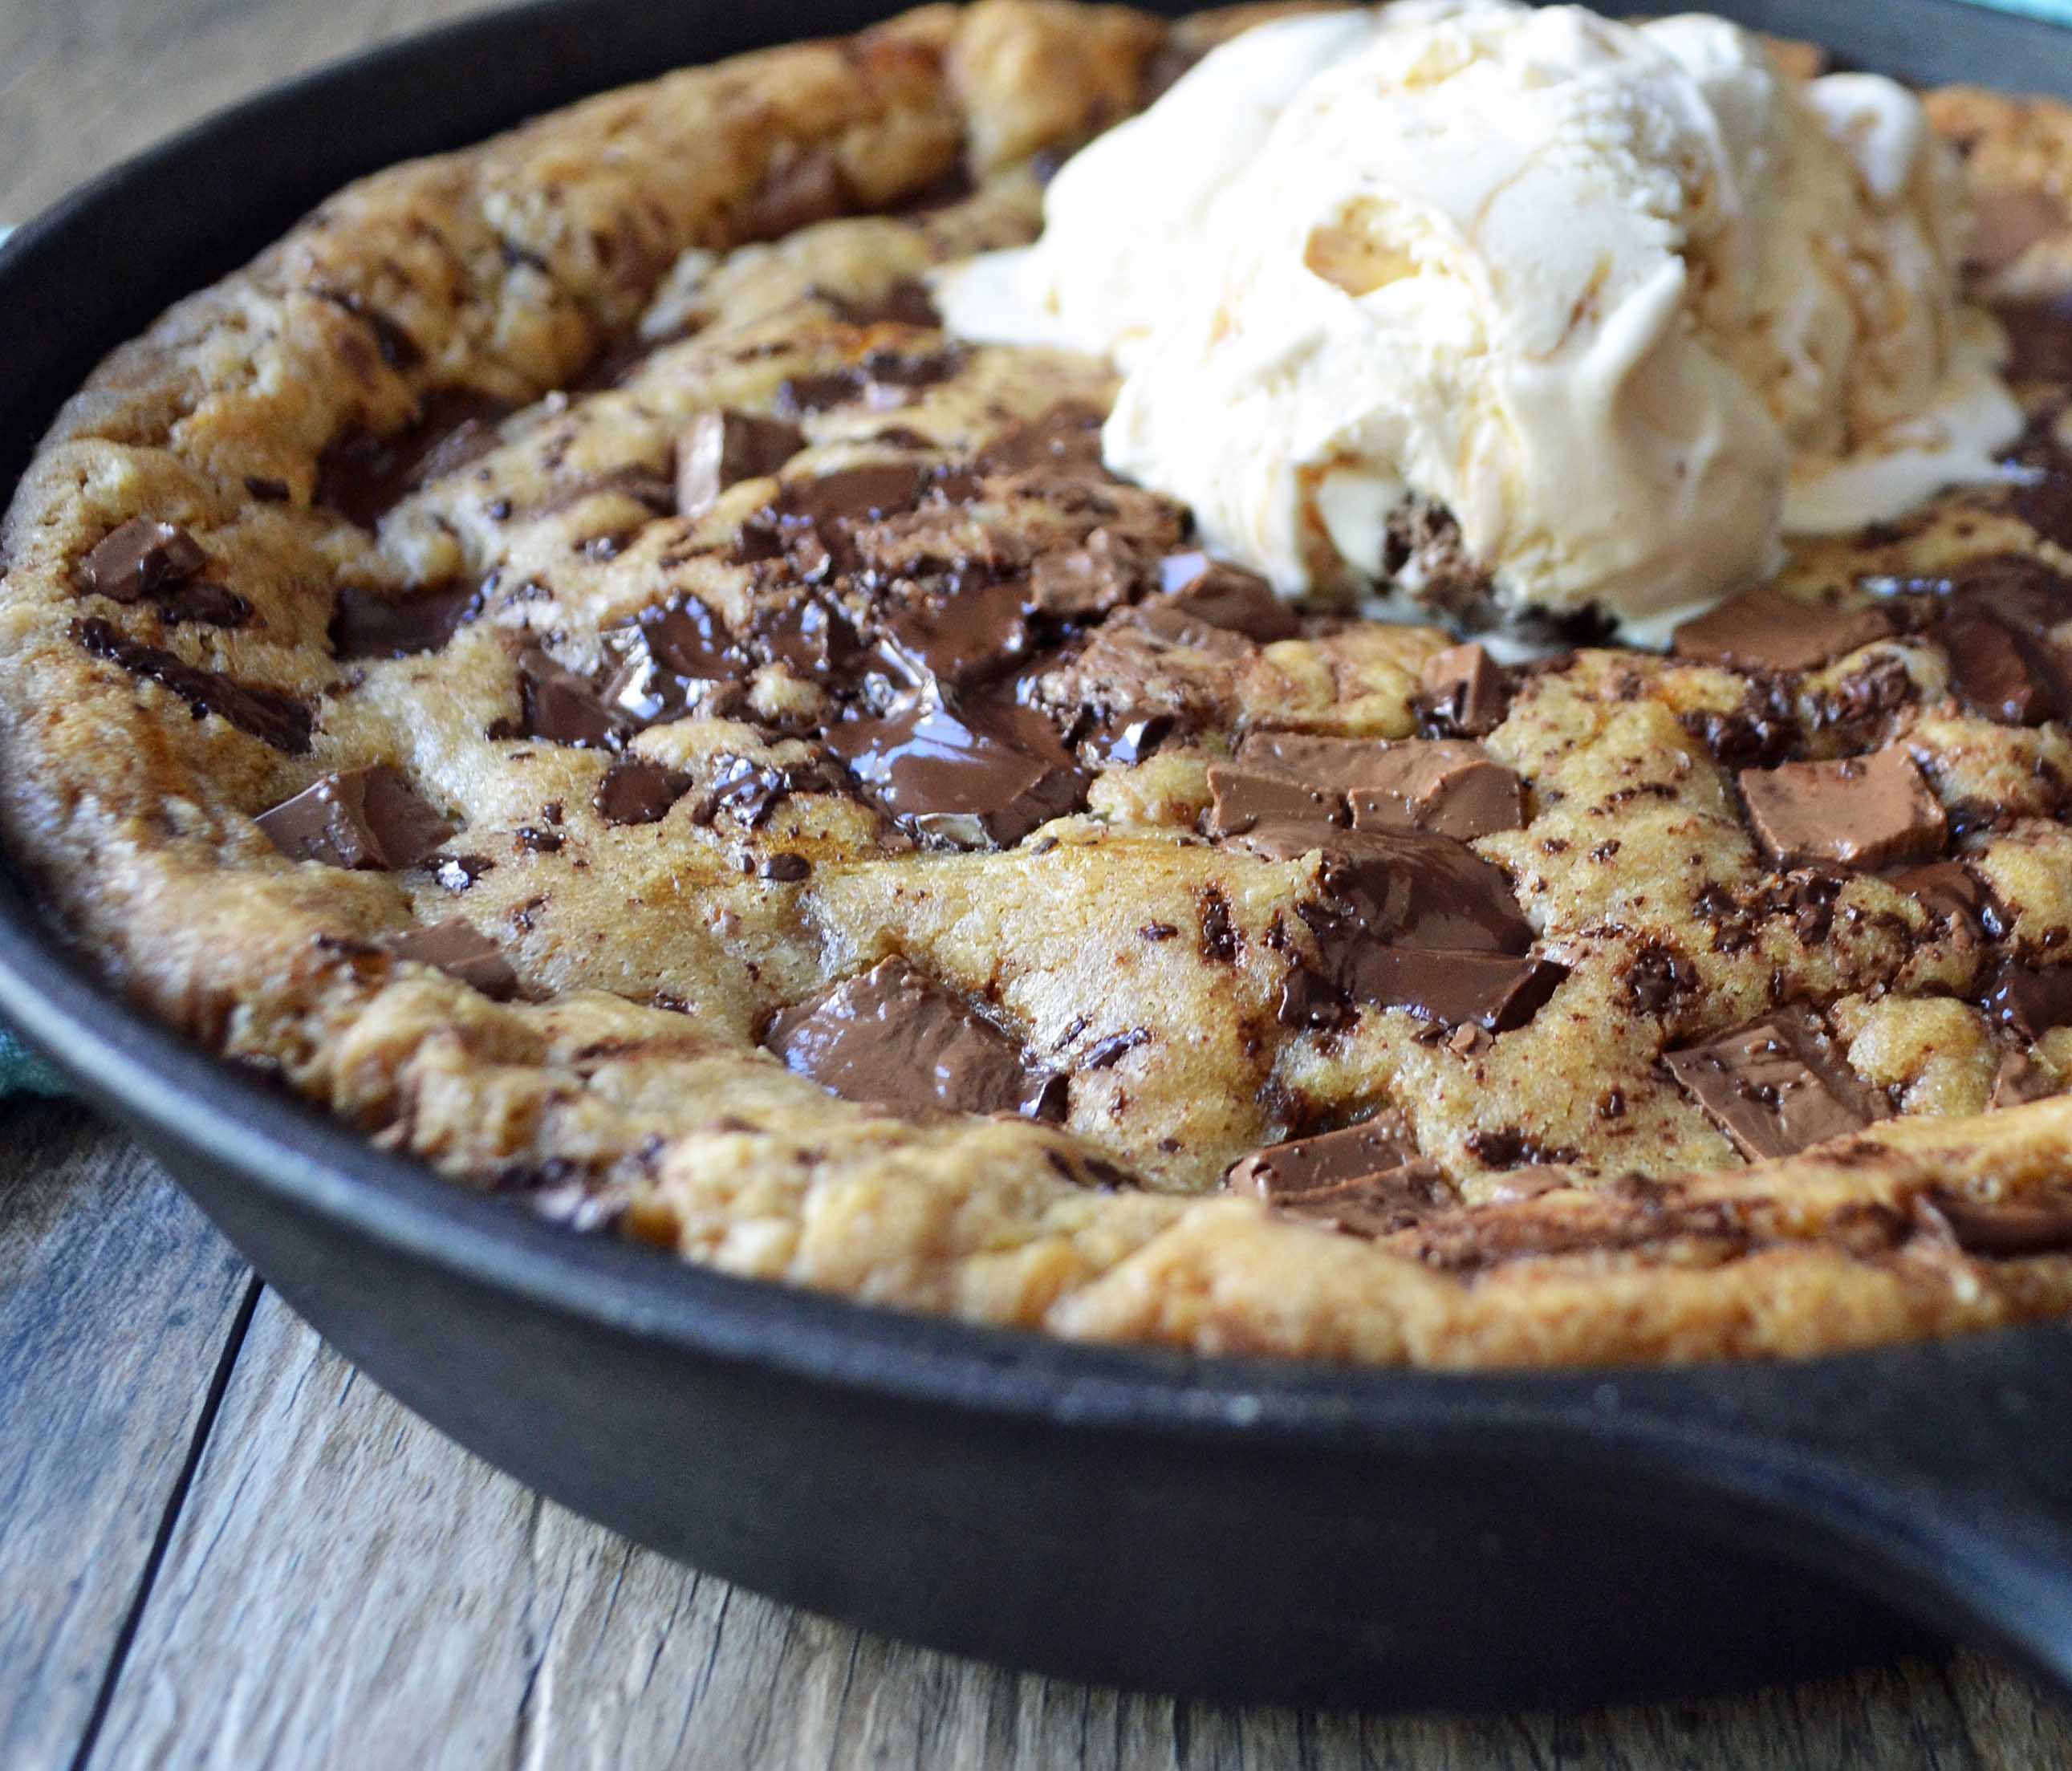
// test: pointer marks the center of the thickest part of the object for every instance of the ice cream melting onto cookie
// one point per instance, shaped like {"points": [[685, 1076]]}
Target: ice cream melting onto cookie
{"points": [[1509, 308]]}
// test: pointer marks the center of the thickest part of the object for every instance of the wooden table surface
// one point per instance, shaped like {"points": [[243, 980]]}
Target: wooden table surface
{"points": [[219, 1546]]}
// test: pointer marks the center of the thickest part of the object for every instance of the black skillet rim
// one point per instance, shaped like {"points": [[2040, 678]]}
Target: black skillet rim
{"points": [[155, 1079]]}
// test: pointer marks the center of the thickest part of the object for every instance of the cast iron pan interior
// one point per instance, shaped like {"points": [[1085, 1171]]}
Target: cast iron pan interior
{"points": [[1229, 1529]]}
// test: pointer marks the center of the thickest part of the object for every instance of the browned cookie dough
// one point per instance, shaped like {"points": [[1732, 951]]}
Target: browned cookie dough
{"points": [[563, 662]]}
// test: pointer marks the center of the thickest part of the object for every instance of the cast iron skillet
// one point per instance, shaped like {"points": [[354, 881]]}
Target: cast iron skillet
{"points": [[1229, 1529]]}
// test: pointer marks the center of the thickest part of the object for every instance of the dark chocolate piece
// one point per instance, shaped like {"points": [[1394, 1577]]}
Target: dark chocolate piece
{"points": [[786, 869], [460, 951], [1078, 583], [2030, 999], [637, 792], [850, 495], [458, 872], [751, 791], [1951, 892], [1221, 595], [1863, 811], [717, 449], [1497, 992], [367, 624], [894, 1039], [1464, 692], [362, 477], [1066, 437], [961, 638], [266, 714], [2040, 1223], [369, 818], [562, 707], [805, 184], [1364, 1179], [1777, 1086], [1405, 888], [141, 558], [1764, 629], [1990, 671], [660, 658], [979, 776]]}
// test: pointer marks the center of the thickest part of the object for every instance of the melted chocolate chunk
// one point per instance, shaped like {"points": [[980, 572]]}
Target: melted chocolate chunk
{"points": [[1464, 692], [961, 638], [717, 449], [1220, 595], [1077, 583], [982, 774], [1496, 991], [1243, 798], [813, 640], [895, 1040], [273, 718], [2039, 339], [142, 558], [1777, 1086], [1952, 894], [1403, 888], [658, 659], [1867, 811], [1066, 437], [751, 791], [848, 495], [2030, 999], [1764, 629], [1760, 733], [562, 707], [1659, 979], [367, 624], [458, 948], [2037, 1224], [637, 792], [366, 818], [1989, 672], [362, 477], [1365, 1179], [805, 184]]}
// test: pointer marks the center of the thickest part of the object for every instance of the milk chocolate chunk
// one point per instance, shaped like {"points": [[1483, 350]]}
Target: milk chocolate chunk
{"points": [[2030, 999], [894, 1039], [1076, 583], [266, 714], [1365, 1179], [850, 495], [1464, 692], [367, 624], [1243, 798], [141, 558], [1067, 436], [1496, 991], [1777, 1086], [362, 477], [717, 449], [637, 792], [2040, 1223], [1441, 786], [981, 774], [369, 818], [1863, 811], [562, 707], [1952, 894], [961, 637], [1990, 671], [460, 951], [2021, 1079], [1221, 595], [1764, 629], [1403, 888]]}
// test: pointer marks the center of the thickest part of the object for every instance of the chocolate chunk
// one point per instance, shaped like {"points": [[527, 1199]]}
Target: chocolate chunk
{"points": [[979, 776], [850, 495], [370, 818], [363, 477], [1863, 811], [1464, 692], [2030, 999], [1243, 798], [1220, 595], [881, 379], [2021, 1079], [1777, 1086], [1990, 671], [562, 707], [1065, 437], [2039, 339], [266, 714], [141, 558], [805, 184], [1497, 992], [1659, 979], [1952, 894], [1405, 888], [1764, 629], [895, 1040], [657, 659], [2038, 1223], [367, 624], [961, 638], [1762, 732], [637, 792], [717, 449], [1075, 583], [1441, 786], [1364, 1180], [784, 870], [391, 339], [904, 302], [2006, 224], [458, 948], [813, 640], [207, 605]]}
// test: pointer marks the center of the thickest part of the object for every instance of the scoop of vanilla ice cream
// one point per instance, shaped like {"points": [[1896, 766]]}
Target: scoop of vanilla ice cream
{"points": [[1627, 301]]}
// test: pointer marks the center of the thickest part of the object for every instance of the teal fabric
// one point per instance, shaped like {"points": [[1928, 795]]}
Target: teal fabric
{"points": [[23, 1072], [2056, 12]]}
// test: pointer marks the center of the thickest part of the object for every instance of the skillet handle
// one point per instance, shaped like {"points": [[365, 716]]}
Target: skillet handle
{"points": [[1938, 1476]]}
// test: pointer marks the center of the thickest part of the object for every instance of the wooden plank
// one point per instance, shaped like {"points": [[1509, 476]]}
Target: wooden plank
{"points": [[344, 1588], [118, 1304]]}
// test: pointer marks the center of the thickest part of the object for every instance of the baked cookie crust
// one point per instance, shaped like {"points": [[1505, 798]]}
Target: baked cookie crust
{"points": [[448, 667]]}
